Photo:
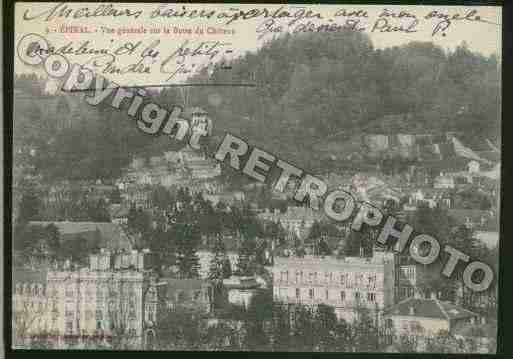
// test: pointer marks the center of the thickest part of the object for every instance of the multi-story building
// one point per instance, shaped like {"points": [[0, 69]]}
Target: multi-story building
{"points": [[409, 277], [30, 306], [345, 283], [205, 257], [103, 303]]}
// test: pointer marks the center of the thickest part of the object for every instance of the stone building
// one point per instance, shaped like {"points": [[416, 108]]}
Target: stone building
{"points": [[30, 306], [345, 284], [111, 301], [426, 316]]}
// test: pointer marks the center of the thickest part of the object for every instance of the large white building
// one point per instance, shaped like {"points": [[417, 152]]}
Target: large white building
{"points": [[346, 284], [113, 301]]}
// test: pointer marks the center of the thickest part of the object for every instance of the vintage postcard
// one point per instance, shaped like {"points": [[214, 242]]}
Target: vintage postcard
{"points": [[252, 177]]}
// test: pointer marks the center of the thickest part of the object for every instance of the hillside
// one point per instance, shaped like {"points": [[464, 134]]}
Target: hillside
{"points": [[317, 95]]}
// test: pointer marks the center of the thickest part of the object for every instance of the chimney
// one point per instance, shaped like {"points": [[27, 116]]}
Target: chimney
{"points": [[412, 311]]}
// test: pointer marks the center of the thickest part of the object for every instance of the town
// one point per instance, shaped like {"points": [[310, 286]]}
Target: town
{"points": [[175, 255]]}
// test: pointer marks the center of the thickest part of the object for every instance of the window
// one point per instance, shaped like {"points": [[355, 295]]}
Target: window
{"points": [[68, 313], [99, 315], [132, 332], [372, 280], [197, 295], [311, 293], [69, 291], [371, 297], [298, 293], [88, 314], [342, 295], [357, 295], [69, 327], [310, 277], [343, 280], [327, 294]]}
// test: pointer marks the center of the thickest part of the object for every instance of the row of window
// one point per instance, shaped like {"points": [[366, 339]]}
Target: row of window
{"points": [[99, 314], [370, 296], [99, 326], [344, 279]]}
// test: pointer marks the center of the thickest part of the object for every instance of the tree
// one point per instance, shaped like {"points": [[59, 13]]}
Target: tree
{"points": [[246, 265], [187, 239], [38, 243], [325, 322], [163, 245], [258, 314], [99, 212], [29, 206], [161, 198]]}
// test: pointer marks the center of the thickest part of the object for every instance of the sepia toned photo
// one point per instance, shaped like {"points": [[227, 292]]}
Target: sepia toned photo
{"points": [[252, 177]]}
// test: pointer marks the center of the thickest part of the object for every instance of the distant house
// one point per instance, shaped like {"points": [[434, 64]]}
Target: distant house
{"points": [[118, 213], [473, 166], [430, 197], [229, 198], [241, 290], [471, 218], [426, 316], [444, 181]]}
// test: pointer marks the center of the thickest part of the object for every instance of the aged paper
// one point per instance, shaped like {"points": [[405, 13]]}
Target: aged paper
{"points": [[256, 177]]}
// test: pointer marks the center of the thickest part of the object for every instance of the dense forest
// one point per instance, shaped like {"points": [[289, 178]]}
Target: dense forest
{"points": [[309, 88]]}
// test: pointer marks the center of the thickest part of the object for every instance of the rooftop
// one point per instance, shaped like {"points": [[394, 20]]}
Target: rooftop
{"points": [[429, 308], [22, 275]]}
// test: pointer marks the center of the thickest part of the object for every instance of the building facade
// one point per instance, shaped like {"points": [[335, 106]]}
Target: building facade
{"points": [[345, 284], [111, 302]]}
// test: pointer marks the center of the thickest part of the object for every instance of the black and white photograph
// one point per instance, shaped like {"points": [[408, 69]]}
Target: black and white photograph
{"points": [[252, 177]]}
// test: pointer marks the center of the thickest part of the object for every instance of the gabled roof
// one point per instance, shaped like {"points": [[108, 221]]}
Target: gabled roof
{"points": [[429, 308]]}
